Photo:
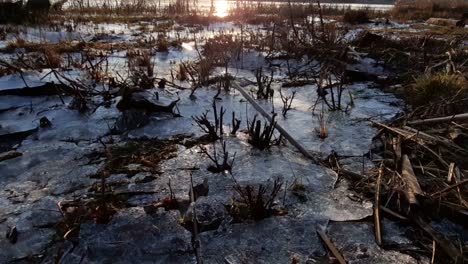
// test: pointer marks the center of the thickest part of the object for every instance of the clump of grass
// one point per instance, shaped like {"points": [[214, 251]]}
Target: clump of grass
{"points": [[162, 45], [254, 203], [163, 26], [141, 67], [322, 131], [52, 58], [258, 137], [356, 17], [437, 88], [222, 49], [61, 47]]}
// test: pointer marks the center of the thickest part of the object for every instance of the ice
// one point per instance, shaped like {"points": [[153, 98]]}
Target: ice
{"points": [[356, 242], [57, 163]]}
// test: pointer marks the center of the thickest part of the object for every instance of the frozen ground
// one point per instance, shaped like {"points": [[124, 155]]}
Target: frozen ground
{"points": [[58, 164]]}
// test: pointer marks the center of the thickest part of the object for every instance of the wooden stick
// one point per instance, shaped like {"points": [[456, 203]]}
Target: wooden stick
{"points": [[377, 226], [352, 175], [390, 212], [331, 247], [444, 119], [433, 251], [450, 249], [459, 184], [195, 239], [10, 155], [283, 132], [412, 187]]}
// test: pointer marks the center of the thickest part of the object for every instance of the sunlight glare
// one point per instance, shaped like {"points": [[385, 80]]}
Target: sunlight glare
{"points": [[187, 46], [222, 8]]}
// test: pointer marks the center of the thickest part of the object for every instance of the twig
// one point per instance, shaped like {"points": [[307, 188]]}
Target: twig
{"points": [[331, 247], [444, 119], [445, 244], [377, 226], [390, 212], [462, 183]]}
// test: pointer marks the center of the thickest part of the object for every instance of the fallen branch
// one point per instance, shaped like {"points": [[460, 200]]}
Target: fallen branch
{"points": [[445, 244], [412, 187], [283, 132], [10, 155], [445, 119], [331, 247], [377, 226], [392, 213]]}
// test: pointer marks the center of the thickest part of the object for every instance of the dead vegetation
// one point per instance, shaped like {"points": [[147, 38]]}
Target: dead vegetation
{"points": [[287, 102], [221, 162], [421, 177], [439, 89], [322, 131], [424, 9], [423, 166], [214, 130], [415, 55], [129, 158], [99, 208], [145, 155], [265, 91], [255, 202], [261, 137]]}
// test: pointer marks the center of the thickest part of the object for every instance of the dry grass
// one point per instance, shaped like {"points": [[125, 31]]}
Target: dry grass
{"points": [[148, 153], [424, 9], [52, 58], [255, 202], [439, 87], [322, 131], [64, 47]]}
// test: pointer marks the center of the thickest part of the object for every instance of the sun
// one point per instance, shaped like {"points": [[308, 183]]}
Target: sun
{"points": [[222, 8]]}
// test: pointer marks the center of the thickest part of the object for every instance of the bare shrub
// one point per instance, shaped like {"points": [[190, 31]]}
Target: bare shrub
{"points": [[264, 84], [287, 102], [222, 49], [221, 162], [330, 87], [235, 124], [213, 130], [258, 137], [254, 203]]}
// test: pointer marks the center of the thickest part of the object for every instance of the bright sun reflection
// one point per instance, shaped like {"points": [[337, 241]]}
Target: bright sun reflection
{"points": [[221, 7]]}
